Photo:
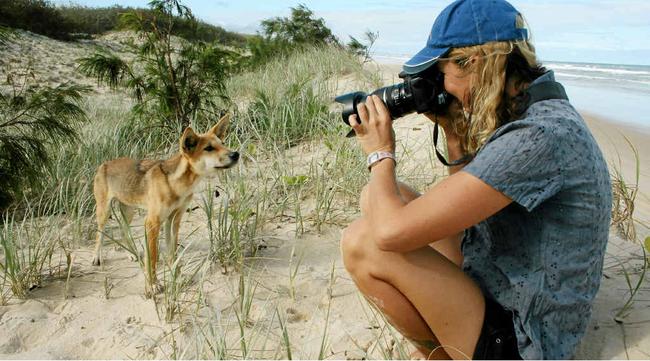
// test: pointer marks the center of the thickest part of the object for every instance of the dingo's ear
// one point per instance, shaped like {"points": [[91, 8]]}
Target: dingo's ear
{"points": [[220, 129], [189, 140]]}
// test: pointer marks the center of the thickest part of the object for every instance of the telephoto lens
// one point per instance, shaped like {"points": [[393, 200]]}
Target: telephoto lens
{"points": [[396, 97], [423, 92]]}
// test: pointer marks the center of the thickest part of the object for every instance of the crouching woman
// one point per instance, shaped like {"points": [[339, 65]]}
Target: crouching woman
{"points": [[503, 258]]}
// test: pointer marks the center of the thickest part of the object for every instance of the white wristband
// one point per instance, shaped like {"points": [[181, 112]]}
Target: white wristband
{"points": [[375, 157]]}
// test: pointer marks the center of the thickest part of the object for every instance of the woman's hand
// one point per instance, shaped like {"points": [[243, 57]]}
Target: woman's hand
{"points": [[374, 129]]}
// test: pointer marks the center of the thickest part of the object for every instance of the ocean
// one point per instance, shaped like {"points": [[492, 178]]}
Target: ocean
{"points": [[619, 93]]}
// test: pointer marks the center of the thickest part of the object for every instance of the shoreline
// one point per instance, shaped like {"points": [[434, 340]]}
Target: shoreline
{"points": [[626, 126]]}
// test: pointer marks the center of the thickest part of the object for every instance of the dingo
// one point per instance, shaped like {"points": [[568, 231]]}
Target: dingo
{"points": [[163, 188]]}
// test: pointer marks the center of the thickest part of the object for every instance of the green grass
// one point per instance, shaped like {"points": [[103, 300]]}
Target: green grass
{"points": [[624, 197], [178, 280], [28, 246], [286, 341], [237, 218], [287, 101]]}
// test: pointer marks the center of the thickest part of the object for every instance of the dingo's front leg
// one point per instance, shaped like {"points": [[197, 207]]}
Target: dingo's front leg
{"points": [[102, 208], [152, 230], [174, 223]]}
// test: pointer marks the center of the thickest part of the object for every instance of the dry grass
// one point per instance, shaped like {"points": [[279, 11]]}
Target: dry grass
{"points": [[624, 195]]}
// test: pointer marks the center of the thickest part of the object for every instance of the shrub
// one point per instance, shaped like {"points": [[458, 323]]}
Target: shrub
{"points": [[90, 20], [73, 21], [31, 119], [38, 16], [300, 28], [281, 36], [360, 49], [173, 83]]}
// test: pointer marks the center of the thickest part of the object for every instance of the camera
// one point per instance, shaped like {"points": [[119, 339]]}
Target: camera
{"points": [[421, 92]]}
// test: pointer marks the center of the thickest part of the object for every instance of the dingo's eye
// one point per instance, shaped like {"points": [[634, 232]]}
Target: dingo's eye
{"points": [[209, 148]]}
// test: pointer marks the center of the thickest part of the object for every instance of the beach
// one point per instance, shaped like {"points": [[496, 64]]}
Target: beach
{"points": [[294, 299], [612, 137]]}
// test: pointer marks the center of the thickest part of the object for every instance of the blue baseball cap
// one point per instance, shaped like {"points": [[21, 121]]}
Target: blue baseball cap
{"points": [[467, 23]]}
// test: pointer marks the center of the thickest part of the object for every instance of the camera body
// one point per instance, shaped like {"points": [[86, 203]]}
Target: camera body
{"points": [[422, 92]]}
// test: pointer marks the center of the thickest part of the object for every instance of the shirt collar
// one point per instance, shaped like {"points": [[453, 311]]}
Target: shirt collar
{"points": [[548, 76]]}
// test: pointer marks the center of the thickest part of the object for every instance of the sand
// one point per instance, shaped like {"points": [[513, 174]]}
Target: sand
{"points": [[612, 140], [101, 313]]}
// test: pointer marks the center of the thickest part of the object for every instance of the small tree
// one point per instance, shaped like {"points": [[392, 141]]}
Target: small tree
{"points": [[172, 80], [282, 35], [33, 120], [360, 49], [300, 28]]}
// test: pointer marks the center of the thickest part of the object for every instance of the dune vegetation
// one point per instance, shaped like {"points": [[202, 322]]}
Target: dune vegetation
{"points": [[298, 174]]}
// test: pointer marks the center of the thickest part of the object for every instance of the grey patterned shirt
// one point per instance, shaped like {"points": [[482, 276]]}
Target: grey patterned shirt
{"points": [[542, 256]]}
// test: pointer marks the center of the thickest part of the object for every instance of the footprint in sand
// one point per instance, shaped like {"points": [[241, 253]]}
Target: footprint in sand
{"points": [[294, 315], [88, 342]]}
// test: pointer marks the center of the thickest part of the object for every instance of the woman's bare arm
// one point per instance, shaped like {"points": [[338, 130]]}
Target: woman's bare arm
{"points": [[445, 210]]}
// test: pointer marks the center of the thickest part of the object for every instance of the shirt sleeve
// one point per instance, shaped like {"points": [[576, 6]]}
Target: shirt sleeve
{"points": [[521, 162]]}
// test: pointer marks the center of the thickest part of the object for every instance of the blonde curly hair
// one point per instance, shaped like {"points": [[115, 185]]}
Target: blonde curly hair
{"points": [[491, 66]]}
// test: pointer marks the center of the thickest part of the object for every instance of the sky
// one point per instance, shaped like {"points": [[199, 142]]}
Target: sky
{"points": [[593, 31]]}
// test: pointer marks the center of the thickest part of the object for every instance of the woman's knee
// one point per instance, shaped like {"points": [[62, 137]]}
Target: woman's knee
{"points": [[352, 244]]}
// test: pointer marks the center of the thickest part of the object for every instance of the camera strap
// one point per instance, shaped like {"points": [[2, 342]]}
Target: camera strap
{"points": [[535, 93], [441, 157]]}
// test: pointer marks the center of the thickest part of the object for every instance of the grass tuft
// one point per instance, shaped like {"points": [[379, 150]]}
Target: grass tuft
{"points": [[624, 196]]}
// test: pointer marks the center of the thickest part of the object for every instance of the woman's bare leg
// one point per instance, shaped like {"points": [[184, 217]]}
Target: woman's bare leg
{"points": [[416, 311], [423, 294]]}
